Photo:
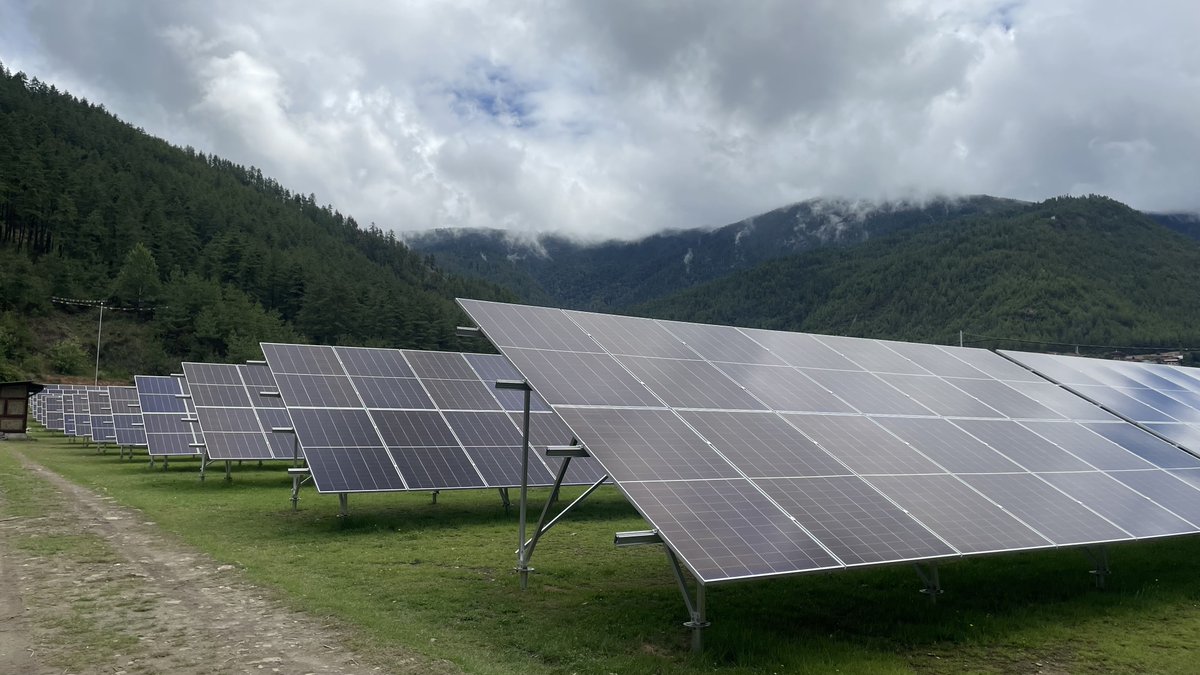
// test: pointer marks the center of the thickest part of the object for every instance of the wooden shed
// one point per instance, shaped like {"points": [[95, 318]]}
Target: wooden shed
{"points": [[14, 405]]}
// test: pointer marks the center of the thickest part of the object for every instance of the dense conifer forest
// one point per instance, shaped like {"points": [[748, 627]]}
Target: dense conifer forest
{"points": [[204, 257]]}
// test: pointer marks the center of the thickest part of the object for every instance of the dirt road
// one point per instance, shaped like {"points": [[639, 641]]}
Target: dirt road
{"points": [[89, 586]]}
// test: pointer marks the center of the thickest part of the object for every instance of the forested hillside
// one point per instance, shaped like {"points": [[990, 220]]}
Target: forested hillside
{"points": [[207, 257], [613, 275], [1072, 270]]}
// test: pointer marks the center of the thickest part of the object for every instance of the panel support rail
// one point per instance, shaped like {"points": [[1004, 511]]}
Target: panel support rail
{"points": [[523, 568], [698, 620], [566, 452], [300, 475]]}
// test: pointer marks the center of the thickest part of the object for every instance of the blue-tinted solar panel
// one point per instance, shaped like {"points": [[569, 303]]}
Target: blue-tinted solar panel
{"points": [[164, 409], [430, 415], [228, 399], [100, 407]]}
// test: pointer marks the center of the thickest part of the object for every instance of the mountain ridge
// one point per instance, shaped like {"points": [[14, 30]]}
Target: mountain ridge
{"points": [[610, 275], [1085, 270]]}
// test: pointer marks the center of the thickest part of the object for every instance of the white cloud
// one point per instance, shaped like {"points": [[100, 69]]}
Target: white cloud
{"points": [[622, 118]]}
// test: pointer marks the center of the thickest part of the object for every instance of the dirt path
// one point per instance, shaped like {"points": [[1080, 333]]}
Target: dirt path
{"points": [[93, 587]]}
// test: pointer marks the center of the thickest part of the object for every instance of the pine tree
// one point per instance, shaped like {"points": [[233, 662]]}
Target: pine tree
{"points": [[137, 283]]}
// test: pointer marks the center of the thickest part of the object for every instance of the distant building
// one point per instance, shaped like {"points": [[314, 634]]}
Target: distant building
{"points": [[14, 406]]}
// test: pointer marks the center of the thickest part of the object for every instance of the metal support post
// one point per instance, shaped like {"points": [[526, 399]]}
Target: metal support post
{"points": [[696, 610], [543, 526], [1099, 557], [504, 501], [165, 463], [299, 476], [434, 494], [343, 504], [99, 330], [228, 470], [932, 580], [523, 568], [203, 466]]}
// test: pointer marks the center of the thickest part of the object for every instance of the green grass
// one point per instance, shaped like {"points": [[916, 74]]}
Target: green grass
{"points": [[406, 574]]}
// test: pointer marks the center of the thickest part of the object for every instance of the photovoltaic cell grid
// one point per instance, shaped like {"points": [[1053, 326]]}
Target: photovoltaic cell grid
{"points": [[83, 414], [1164, 399], [100, 412], [381, 420], [166, 409], [127, 416], [759, 453], [53, 415], [235, 418]]}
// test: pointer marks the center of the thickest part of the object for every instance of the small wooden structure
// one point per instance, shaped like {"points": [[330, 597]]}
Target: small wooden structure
{"points": [[14, 405]]}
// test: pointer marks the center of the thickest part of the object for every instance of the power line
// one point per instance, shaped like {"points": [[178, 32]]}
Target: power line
{"points": [[103, 305], [100, 303]]}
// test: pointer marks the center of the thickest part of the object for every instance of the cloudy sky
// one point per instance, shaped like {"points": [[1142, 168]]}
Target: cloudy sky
{"points": [[620, 118]]}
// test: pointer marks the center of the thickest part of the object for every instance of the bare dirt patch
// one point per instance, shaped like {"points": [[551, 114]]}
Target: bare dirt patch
{"points": [[90, 586]]}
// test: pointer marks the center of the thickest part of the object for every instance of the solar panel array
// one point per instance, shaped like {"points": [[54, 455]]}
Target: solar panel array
{"points": [[165, 405], [1164, 399], [235, 418], [100, 415], [128, 427], [68, 403], [760, 453], [373, 420], [54, 409]]}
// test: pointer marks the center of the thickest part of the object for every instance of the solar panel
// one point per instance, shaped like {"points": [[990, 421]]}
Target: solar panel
{"points": [[1162, 399], [83, 414], [378, 420], [55, 416], [235, 418], [759, 453], [858, 524], [127, 416], [164, 408], [101, 413]]}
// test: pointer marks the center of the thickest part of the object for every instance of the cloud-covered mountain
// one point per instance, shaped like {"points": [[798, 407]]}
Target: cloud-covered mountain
{"points": [[556, 270]]}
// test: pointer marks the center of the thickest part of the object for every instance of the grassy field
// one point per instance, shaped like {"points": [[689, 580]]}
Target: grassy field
{"points": [[437, 579]]}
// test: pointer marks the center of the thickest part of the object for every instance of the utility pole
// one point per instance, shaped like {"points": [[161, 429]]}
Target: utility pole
{"points": [[99, 330], [102, 304]]}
